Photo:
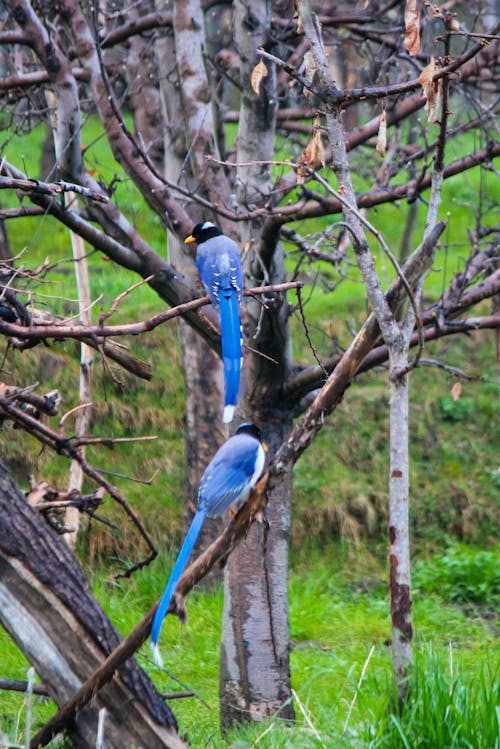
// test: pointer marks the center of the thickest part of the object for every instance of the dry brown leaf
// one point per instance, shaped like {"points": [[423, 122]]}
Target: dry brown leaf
{"points": [[317, 150], [382, 135], [431, 90], [312, 158], [412, 27], [456, 390], [259, 72], [426, 76], [309, 70]]}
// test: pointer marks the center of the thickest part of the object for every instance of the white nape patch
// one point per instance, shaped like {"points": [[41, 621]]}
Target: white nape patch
{"points": [[259, 465], [157, 655], [208, 225], [228, 414]]}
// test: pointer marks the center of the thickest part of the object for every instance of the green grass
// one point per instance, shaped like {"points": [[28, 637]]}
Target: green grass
{"points": [[340, 628]]}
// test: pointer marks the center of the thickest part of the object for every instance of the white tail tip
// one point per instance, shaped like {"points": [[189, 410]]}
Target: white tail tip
{"points": [[228, 414], [156, 654]]}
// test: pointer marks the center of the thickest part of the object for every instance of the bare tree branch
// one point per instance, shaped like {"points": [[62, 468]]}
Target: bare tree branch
{"points": [[53, 189]]}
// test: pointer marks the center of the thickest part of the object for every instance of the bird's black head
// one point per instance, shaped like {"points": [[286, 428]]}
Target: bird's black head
{"points": [[251, 429], [203, 231]]}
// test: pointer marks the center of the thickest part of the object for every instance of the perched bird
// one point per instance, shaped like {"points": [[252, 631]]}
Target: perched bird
{"points": [[227, 480], [218, 261]]}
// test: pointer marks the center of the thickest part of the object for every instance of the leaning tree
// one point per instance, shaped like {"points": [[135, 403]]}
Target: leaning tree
{"points": [[288, 125]]}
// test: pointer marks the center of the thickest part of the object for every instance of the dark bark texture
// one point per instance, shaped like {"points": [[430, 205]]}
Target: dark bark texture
{"points": [[49, 611]]}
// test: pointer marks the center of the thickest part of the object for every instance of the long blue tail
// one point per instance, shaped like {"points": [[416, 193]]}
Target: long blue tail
{"points": [[231, 349], [180, 563]]}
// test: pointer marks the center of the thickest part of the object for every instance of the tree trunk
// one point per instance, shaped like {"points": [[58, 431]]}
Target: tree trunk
{"points": [[143, 91], [255, 670], [48, 610], [255, 667], [399, 554], [83, 416], [204, 387]]}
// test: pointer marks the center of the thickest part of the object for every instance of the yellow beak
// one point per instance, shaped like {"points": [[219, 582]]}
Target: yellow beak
{"points": [[189, 239], [265, 446]]}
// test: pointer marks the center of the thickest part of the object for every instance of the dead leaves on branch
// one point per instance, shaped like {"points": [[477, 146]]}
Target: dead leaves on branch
{"points": [[313, 157], [432, 90], [412, 27]]}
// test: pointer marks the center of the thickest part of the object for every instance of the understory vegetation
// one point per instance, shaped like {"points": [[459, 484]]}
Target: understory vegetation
{"points": [[339, 617]]}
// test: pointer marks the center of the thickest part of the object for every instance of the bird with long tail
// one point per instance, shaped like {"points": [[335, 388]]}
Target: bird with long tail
{"points": [[233, 471], [219, 265]]}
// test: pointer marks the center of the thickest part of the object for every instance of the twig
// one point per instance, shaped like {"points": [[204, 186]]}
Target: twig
{"points": [[117, 301], [17, 685], [173, 677], [306, 330], [110, 441], [147, 482], [378, 236], [455, 371], [53, 189], [178, 695]]}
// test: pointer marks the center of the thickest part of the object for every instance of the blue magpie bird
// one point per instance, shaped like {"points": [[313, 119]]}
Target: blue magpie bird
{"points": [[218, 261], [227, 479]]}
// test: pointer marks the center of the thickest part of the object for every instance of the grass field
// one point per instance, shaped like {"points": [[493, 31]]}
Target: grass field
{"points": [[339, 621], [341, 667]]}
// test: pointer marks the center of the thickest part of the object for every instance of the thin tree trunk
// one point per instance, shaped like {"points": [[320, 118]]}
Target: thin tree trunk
{"points": [[255, 666], [49, 611], [84, 414], [399, 553], [82, 420]]}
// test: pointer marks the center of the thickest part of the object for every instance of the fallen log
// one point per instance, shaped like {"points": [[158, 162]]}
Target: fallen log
{"points": [[48, 609]]}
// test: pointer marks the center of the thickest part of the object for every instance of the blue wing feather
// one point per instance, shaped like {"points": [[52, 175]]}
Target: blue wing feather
{"points": [[228, 475], [180, 563]]}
